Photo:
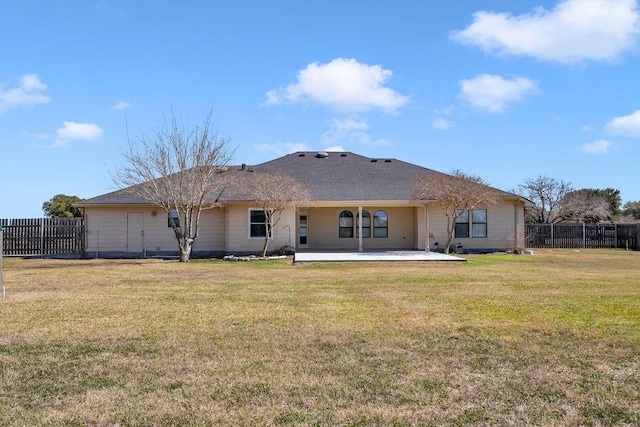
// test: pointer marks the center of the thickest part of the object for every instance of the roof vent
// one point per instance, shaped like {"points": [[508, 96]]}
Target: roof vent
{"points": [[343, 155], [387, 160], [322, 155], [374, 160], [301, 155]]}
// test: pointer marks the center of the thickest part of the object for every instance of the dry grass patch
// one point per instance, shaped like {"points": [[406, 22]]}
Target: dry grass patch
{"points": [[546, 340]]}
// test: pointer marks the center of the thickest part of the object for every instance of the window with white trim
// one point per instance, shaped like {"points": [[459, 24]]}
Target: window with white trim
{"points": [[257, 227], [462, 224], [476, 224], [366, 224], [479, 223], [173, 214], [380, 224], [345, 227]]}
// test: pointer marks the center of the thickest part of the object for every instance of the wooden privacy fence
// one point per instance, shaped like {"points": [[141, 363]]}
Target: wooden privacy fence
{"points": [[577, 236], [43, 236]]}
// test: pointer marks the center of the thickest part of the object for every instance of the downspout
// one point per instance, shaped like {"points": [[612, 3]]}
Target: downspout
{"points": [[427, 246], [359, 228], [226, 230]]}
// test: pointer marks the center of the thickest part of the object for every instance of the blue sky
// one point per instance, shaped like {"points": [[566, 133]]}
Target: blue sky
{"points": [[501, 89]]}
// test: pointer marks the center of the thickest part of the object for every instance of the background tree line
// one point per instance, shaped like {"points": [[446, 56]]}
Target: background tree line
{"points": [[557, 201]]}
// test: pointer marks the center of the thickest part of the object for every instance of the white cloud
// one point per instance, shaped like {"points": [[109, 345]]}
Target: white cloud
{"points": [[77, 131], [341, 129], [625, 125], [35, 135], [445, 111], [597, 147], [343, 85], [122, 105], [350, 130], [443, 124], [335, 148], [493, 93], [28, 92], [574, 31]]}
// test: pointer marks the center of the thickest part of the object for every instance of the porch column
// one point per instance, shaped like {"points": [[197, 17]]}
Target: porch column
{"points": [[427, 248], [359, 228]]}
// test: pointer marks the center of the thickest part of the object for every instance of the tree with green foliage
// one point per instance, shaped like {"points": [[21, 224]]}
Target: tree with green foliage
{"points": [[632, 209], [61, 206]]}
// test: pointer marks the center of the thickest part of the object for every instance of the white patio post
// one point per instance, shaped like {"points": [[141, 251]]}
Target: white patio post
{"points": [[359, 228]]}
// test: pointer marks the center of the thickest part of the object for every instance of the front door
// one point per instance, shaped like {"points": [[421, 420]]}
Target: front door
{"points": [[135, 232], [303, 231]]}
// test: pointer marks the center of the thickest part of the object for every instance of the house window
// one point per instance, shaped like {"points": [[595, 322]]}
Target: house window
{"points": [[366, 224], [257, 227], [380, 224], [479, 223], [346, 224], [462, 224], [173, 214]]}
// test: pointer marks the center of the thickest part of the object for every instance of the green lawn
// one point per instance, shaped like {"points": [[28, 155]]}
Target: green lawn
{"points": [[549, 339]]}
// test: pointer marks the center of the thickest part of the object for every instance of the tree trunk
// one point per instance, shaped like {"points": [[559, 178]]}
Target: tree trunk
{"points": [[449, 241], [185, 250], [267, 229], [265, 246]]}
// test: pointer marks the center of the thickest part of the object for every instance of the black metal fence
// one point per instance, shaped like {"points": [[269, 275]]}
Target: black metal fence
{"points": [[578, 236], [43, 236]]}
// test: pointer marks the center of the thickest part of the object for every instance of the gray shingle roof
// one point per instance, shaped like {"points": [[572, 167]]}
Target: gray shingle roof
{"points": [[344, 176], [336, 176]]}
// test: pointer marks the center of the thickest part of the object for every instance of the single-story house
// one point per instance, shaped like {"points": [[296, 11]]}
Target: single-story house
{"points": [[343, 186]]}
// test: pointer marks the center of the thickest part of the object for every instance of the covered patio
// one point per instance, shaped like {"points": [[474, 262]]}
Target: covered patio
{"points": [[347, 256]]}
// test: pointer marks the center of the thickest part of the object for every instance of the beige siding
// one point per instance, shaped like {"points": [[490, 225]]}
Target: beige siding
{"points": [[107, 230], [228, 229], [238, 231], [324, 227], [504, 228], [212, 233]]}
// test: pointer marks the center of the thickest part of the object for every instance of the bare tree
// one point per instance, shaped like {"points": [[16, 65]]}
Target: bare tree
{"points": [[455, 194], [273, 193], [180, 169], [584, 206], [546, 194]]}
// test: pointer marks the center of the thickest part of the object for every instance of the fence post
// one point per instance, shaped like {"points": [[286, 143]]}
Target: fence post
{"points": [[1, 250], [41, 238], [553, 240]]}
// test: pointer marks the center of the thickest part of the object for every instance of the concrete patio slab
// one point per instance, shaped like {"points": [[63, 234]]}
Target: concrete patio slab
{"points": [[373, 256]]}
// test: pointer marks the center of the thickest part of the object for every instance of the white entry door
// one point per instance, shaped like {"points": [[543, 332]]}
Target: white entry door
{"points": [[303, 231], [135, 232]]}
